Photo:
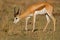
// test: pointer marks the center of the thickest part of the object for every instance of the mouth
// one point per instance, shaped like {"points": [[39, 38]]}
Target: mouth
{"points": [[14, 22]]}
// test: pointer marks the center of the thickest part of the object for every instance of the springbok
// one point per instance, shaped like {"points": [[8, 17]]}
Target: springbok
{"points": [[33, 10]]}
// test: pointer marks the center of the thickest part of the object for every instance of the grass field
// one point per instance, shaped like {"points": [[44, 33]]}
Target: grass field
{"points": [[10, 31]]}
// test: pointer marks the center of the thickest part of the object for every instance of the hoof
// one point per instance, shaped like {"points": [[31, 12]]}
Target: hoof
{"points": [[43, 30], [34, 30], [54, 30], [26, 29]]}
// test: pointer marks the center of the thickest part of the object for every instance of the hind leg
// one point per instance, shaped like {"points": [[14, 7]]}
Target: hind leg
{"points": [[53, 19], [48, 21]]}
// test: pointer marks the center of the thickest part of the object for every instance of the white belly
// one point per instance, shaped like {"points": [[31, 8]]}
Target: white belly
{"points": [[43, 11]]}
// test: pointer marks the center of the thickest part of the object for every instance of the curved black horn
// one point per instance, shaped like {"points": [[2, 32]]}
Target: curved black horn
{"points": [[16, 12]]}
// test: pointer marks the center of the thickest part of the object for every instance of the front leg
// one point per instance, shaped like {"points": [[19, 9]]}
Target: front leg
{"points": [[34, 18], [27, 23]]}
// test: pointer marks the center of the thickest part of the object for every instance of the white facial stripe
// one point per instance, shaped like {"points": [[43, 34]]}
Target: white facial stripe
{"points": [[16, 20]]}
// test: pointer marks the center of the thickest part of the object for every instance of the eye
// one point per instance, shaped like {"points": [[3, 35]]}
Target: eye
{"points": [[16, 18]]}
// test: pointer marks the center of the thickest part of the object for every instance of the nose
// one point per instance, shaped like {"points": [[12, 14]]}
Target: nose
{"points": [[14, 22]]}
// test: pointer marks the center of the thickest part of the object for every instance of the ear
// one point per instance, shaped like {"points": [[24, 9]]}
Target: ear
{"points": [[16, 13]]}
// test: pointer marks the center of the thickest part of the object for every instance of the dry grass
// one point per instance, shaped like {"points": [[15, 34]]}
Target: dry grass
{"points": [[10, 31]]}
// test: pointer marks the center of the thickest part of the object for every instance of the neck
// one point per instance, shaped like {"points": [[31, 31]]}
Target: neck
{"points": [[24, 15]]}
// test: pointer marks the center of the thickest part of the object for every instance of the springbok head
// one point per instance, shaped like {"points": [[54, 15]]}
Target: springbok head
{"points": [[16, 17]]}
